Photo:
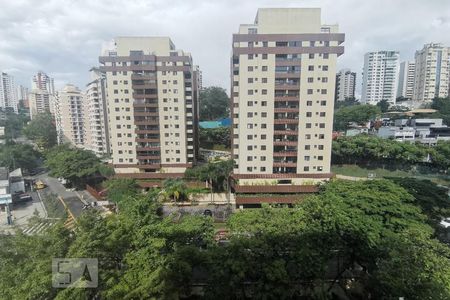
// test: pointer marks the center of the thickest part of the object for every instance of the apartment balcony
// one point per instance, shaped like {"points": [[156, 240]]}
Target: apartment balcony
{"points": [[145, 114], [146, 122], [285, 143], [287, 75], [145, 86], [287, 98], [154, 166], [285, 154], [143, 104], [146, 140], [143, 76], [285, 132], [156, 157], [145, 96], [285, 121], [287, 87], [147, 131], [286, 109], [148, 148]]}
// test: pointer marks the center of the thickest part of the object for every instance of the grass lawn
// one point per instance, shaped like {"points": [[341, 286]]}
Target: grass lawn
{"points": [[361, 171]]}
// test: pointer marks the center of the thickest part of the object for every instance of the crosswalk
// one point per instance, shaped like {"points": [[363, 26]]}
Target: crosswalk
{"points": [[38, 228]]}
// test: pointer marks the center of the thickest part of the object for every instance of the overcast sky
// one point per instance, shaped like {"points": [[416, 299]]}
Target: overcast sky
{"points": [[64, 37]]}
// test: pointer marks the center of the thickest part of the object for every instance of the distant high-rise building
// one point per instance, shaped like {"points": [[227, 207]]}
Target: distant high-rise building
{"points": [[42, 96], [70, 112], [97, 133], [405, 87], [43, 82], [380, 77], [22, 96], [283, 72], [152, 103], [8, 93], [345, 85], [431, 72]]}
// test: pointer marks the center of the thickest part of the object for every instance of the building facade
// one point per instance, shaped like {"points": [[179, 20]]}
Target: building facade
{"points": [[152, 107], [283, 83], [345, 85], [431, 72], [42, 96], [22, 96], [97, 131], [380, 77], [8, 93], [70, 116], [406, 76]]}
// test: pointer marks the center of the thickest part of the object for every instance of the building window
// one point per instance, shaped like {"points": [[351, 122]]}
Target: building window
{"points": [[250, 56], [264, 56], [319, 168], [323, 91], [323, 103], [320, 147], [308, 125], [306, 158], [263, 136], [250, 69], [263, 103], [263, 169], [307, 136], [264, 80], [250, 137], [249, 115], [322, 125], [249, 169], [308, 114], [322, 114], [310, 79], [310, 91], [250, 80], [264, 92], [308, 103], [311, 56], [321, 136], [263, 126], [310, 68], [263, 147], [264, 68], [307, 147], [250, 92], [249, 103], [306, 169], [264, 114], [325, 55], [320, 157], [324, 68]]}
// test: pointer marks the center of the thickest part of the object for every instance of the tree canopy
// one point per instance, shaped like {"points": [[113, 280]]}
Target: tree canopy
{"points": [[359, 114], [22, 156], [42, 131], [74, 164], [214, 103], [352, 240], [213, 138], [215, 172]]}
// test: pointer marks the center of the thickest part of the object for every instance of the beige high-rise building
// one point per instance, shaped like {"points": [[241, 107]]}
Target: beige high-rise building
{"points": [[431, 73], [97, 132], [70, 116], [152, 107], [42, 96], [283, 85]]}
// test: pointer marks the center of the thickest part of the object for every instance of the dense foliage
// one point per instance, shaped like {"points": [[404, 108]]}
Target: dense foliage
{"points": [[15, 156], [215, 173], [214, 103], [42, 131], [74, 164], [442, 105], [13, 123], [354, 240], [358, 114], [215, 138], [375, 151]]}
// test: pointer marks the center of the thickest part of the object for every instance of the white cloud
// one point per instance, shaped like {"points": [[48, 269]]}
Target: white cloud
{"points": [[65, 37]]}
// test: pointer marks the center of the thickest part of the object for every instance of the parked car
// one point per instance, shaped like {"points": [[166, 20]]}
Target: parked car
{"points": [[39, 185], [21, 198]]}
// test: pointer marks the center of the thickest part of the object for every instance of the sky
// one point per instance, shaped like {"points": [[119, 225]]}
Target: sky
{"points": [[64, 37]]}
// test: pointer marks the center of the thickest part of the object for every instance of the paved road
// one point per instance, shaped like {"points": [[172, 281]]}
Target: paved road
{"points": [[73, 201]]}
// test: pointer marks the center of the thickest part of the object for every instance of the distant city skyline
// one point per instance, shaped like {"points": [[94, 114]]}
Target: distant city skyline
{"points": [[46, 39]]}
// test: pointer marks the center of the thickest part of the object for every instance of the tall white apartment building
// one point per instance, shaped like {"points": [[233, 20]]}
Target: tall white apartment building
{"points": [[431, 72], [406, 76], [42, 96], [283, 83], [152, 107], [70, 114], [380, 77], [8, 93], [345, 85], [97, 132]]}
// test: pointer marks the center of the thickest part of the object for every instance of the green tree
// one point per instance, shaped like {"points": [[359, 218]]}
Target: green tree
{"points": [[42, 131], [121, 189], [383, 105], [22, 156], [13, 123], [211, 138], [216, 173], [214, 103], [174, 190], [359, 114], [74, 164]]}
